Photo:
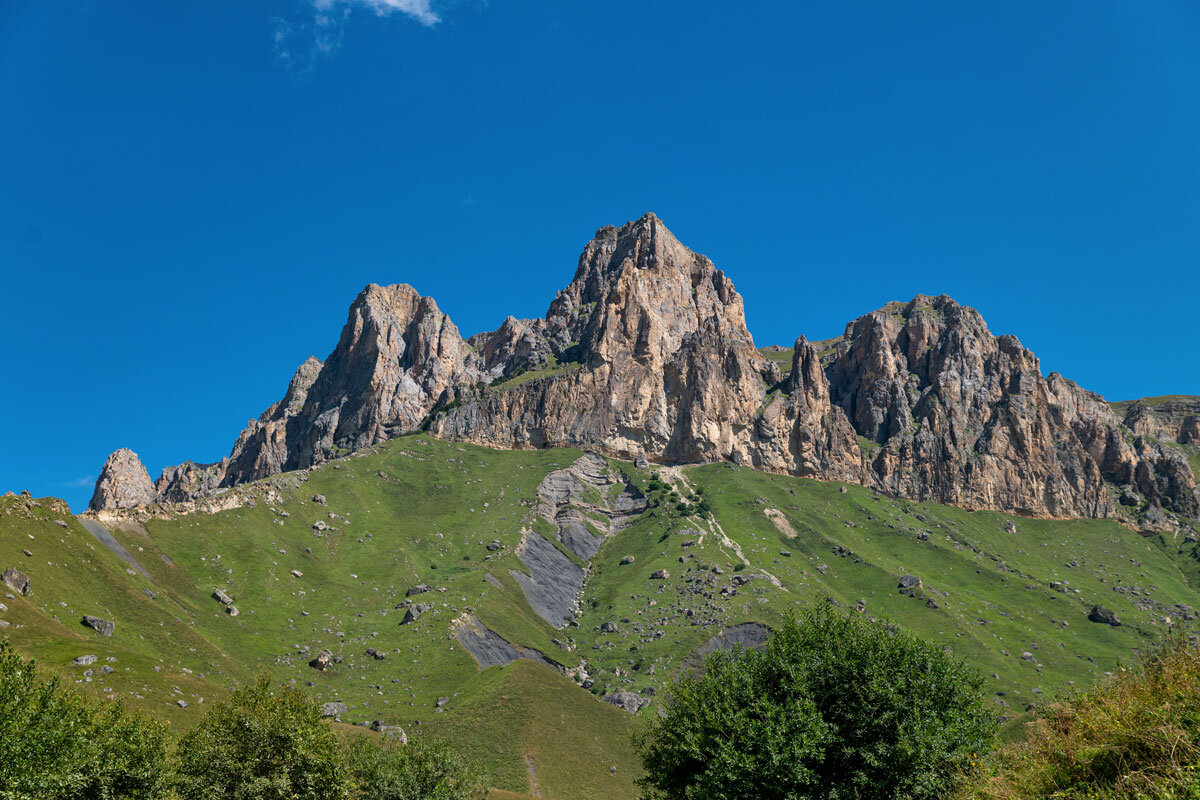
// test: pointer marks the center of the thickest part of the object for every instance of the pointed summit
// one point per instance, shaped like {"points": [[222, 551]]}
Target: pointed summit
{"points": [[123, 483]]}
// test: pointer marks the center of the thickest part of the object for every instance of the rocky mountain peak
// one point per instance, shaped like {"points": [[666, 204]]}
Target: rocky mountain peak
{"points": [[397, 358], [123, 483], [638, 292], [645, 353]]}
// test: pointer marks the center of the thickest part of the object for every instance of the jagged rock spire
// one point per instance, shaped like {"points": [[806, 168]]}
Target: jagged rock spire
{"points": [[123, 483]]}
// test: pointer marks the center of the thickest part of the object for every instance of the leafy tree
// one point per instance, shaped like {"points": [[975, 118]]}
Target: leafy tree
{"points": [[55, 743], [421, 770], [264, 743], [832, 707]]}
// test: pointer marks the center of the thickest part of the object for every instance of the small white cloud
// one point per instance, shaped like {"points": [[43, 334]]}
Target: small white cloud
{"points": [[420, 10], [85, 481], [321, 25]]}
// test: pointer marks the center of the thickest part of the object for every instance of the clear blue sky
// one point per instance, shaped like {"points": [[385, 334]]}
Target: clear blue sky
{"points": [[191, 194]]}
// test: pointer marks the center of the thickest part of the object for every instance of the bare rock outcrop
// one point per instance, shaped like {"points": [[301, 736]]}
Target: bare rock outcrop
{"points": [[801, 431], [660, 361], [645, 356], [964, 417], [188, 480], [1173, 419], [123, 483], [263, 447]]}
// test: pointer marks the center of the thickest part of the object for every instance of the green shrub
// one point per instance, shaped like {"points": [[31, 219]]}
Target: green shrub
{"points": [[264, 743], [421, 770], [1136, 737], [837, 708], [55, 743]]}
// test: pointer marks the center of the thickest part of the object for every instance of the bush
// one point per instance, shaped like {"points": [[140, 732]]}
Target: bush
{"points": [[264, 743], [55, 743], [384, 770], [1136, 737], [833, 707]]}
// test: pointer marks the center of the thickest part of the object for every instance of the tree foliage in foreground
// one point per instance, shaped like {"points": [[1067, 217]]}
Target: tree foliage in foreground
{"points": [[832, 707], [55, 744], [420, 770], [265, 742]]}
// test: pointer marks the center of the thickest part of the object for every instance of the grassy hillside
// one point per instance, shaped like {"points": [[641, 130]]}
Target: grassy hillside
{"points": [[421, 511], [1133, 736]]}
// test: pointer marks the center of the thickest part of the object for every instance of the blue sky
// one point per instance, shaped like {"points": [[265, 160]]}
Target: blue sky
{"points": [[191, 194]]}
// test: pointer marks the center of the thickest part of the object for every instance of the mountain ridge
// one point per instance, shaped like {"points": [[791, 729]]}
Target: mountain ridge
{"points": [[646, 354]]}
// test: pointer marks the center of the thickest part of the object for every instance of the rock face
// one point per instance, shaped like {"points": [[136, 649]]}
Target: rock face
{"points": [[123, 483], [652, 353], [1175, 419], [645, 356], [957, 415]]}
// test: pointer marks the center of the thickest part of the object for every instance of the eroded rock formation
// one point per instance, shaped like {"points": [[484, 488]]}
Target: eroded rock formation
{"points": [[123, 483], [645, 355]]}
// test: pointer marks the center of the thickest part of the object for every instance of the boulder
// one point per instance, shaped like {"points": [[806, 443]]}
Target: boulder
{"points": [[415, 611], [83, 661], [322, 660], [627, 701], [220, 596], [17, 581], [101, 626], [660, 575], [334, 709], [394, 732], [1105, 616]]}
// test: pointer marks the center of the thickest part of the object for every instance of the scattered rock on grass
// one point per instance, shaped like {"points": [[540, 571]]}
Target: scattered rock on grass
{"points": [[17, 581]]}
